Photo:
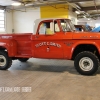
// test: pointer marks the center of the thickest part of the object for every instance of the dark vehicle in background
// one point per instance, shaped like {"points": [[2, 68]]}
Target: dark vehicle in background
{"points": [[83, 28]]}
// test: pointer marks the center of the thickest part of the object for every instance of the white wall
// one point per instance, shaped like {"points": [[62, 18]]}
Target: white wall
{"points": [[9, 22], [90, 22], [93, 22], [72, 15], [24, 21]]}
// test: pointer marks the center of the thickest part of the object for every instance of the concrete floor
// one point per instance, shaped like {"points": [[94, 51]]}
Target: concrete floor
{"points": [[40, 79]]}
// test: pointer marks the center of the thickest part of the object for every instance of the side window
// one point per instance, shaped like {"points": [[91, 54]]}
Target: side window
{"points": [[46, 28], [49, 28], [42, 29]]}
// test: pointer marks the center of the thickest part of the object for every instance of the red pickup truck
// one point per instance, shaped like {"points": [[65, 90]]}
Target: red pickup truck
{"points": [[53, 39]]}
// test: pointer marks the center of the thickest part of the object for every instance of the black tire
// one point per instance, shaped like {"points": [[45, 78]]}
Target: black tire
{"points": [[5, 61], [23, 59], [86, 63]]}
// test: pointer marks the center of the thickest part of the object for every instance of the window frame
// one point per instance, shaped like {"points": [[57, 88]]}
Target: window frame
{"points": [[2, 15]]}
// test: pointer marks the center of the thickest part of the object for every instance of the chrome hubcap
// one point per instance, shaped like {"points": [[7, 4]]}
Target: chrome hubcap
{"points": [[2, 60], [86, 64]]}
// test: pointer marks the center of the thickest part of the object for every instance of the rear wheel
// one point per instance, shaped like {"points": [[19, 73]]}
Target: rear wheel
{"points": [[23, 59], [5, 61], [86, 63]]}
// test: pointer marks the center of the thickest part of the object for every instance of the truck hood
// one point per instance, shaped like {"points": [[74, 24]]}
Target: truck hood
{"points": [[86, 35]]}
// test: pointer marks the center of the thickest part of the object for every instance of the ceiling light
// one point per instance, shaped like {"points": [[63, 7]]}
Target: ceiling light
{"points": [[77, 6], [77, 12], [84, 16], [88, 18], [16, 4]]}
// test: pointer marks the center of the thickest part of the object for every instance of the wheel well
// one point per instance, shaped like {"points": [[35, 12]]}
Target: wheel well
{"points": [[3, 48], [85, 47]]}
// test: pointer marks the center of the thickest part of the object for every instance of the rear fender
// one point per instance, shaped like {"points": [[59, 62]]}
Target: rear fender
{"points": [[10, 46]]}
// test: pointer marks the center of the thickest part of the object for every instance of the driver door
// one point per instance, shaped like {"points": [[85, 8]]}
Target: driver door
{"points": [[48, 42]]}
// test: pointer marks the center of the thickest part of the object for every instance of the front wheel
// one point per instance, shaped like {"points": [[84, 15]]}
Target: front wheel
{"points": [[86, 63]]}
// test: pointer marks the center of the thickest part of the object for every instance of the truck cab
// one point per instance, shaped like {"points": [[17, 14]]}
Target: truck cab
{"points": [[49, 39]]}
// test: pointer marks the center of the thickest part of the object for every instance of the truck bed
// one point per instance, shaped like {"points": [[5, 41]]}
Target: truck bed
{"points": [[16, 36]]}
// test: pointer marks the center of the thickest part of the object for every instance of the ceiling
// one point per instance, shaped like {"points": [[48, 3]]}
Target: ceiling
{"points": [[87, 8]]}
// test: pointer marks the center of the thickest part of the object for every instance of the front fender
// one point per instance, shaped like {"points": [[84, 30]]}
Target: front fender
{"points": [[84, 42]]}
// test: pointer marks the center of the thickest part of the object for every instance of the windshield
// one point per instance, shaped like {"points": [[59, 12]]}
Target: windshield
{"points": [[67, 25]]}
